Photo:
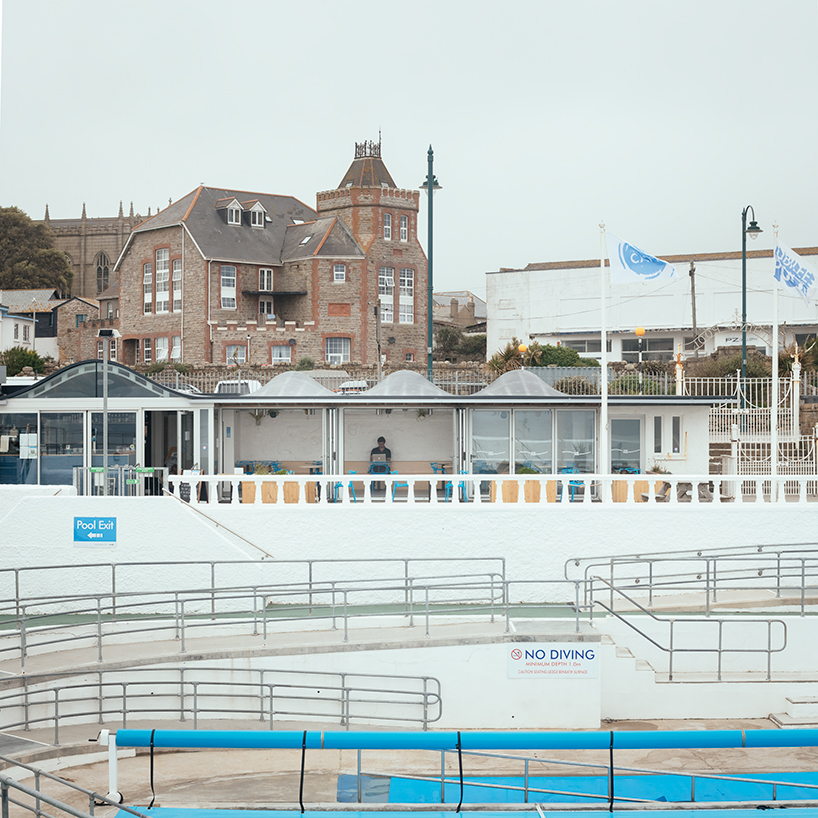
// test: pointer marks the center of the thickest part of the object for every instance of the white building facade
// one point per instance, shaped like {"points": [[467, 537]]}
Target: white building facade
{"points": [[559, 303]]}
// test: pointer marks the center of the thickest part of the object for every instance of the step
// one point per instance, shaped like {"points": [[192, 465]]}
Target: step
{"points": [[624, 653], [803, 707], [787, 722]]}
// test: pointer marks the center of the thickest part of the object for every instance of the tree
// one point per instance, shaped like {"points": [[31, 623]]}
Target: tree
{"points": [[16, 358], [447, 341], [473, 347], [28, 258]]}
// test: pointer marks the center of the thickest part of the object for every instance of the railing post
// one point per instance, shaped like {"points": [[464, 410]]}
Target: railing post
{"points": [[99, 628], [491, 597], [359, 776], [99, 695], [182, 694], [56, 716], [427, 610], [4, 798], [37, 809], [721, 642], [525, 783], [213, 590], [346, 618], [670, 653], [182, 624], [22, 629], [195, 705]]}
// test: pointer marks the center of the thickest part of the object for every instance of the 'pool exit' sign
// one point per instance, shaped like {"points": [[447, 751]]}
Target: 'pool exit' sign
{"points": [[95, 530]]}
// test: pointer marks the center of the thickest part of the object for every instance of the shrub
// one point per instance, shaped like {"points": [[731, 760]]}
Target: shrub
{"points": [[576, 385], [304, 363], [155, 369], [16, 358], [628, 384]]}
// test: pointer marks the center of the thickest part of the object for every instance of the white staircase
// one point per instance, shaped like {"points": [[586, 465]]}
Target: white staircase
{"points": [[802, 711]]}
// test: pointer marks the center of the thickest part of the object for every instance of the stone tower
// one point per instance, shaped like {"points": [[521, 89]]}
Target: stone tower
{"points": [[383, 219]]}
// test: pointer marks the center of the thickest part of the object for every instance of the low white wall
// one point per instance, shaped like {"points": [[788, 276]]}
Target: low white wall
{"points": [[535, 541]]}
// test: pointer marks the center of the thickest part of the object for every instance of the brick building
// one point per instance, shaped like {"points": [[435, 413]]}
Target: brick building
{"points": [[225, 276]]}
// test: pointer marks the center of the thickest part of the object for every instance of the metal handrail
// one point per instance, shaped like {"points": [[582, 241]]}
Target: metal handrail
{"points": [[116, 569], [94, 798], [410, 598], [526, 788], [266, 696], [716, 571], [719, 651]]}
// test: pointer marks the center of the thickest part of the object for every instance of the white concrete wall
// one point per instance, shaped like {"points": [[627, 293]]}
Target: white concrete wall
{"points": [[535, 540], [408, 435], [290, 436]]}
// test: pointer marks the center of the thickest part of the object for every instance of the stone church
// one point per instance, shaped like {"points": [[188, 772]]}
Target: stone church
{"points": [[92, 246]]}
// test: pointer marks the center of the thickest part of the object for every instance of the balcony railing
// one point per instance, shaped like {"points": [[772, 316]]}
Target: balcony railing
{"points": [[492, 491]]}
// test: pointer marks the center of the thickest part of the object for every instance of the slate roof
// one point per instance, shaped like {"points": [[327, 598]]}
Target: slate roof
{"points": [[19, 301], [404, 384], [221, 241], [444, 299], [368, 171], [292, 385], [323, 237], [519, 384]]}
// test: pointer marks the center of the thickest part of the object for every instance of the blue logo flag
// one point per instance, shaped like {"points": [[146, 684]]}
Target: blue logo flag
{"points": [[630, 264], [792, 272]]}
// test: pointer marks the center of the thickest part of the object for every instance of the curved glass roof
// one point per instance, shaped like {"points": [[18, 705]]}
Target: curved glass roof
{"points": [[84, 380]]}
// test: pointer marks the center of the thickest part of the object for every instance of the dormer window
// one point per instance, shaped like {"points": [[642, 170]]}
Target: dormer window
{"points": [[256, 214], [233, 215]]}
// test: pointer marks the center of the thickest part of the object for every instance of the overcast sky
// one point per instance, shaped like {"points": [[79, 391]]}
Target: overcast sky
{"points": [[663, 119]]}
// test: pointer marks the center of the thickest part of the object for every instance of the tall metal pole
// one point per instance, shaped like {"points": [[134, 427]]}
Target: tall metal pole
{"points": [[693, 304], [430, 192], [106, 352], [744, 304]]}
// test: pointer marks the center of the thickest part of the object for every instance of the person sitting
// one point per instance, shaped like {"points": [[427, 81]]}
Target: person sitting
{"points": [[383, 454], [380, 459]]}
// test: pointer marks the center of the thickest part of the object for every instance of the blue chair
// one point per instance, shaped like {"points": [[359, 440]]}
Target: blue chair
{"points": [[339, 486], [399, 484], [461, 487], [573, 485]]}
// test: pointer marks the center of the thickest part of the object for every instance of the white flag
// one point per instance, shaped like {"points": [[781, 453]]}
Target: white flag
{"points": [[792, 272], [630, 264]]}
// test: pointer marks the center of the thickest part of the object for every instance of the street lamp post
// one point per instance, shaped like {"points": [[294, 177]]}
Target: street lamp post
{"points": [[105, 335], [753, 230], [430, 186], [640, 333], [33, 323]]}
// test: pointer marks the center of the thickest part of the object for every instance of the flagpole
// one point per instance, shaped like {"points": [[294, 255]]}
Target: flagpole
{"points": [[604, 466], [774, 397]]}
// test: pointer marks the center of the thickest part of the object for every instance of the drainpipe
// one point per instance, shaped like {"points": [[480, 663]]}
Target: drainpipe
{"points": [[796, 398]]}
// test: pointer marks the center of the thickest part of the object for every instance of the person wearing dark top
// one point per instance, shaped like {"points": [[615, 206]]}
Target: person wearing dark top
{"points": [[378, 466], [381, 449]]}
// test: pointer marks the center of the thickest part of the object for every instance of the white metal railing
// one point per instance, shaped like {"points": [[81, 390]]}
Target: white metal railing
{"points": [[490, 491]]}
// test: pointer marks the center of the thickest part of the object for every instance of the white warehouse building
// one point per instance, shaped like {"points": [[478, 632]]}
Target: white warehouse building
{"points": [[559, 303]]}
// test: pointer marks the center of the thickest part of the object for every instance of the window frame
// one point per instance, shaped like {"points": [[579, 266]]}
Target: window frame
{"points": [[256, 216], [162, 281], [176, 348], [226, 290], [284, 360], [162, 350], [147, 288], [386, 292], [234, 215], [404, 228], [176, 279], [265, 273], [239, 359], [387, 227], [343, 354], [339, 273], [266, 301], [147, 351]]}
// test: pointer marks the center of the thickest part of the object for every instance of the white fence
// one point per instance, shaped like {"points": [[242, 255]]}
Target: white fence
{"points": [[481, 491]]}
